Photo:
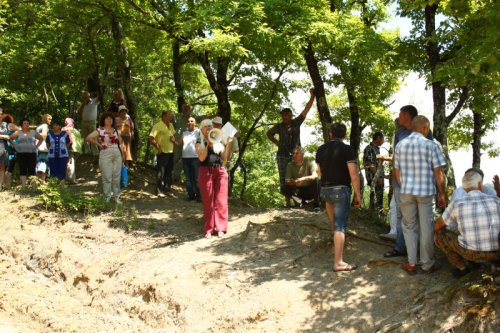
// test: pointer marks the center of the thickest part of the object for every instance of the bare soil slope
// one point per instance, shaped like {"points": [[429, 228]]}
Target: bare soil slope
{"points": [[271, 273]]}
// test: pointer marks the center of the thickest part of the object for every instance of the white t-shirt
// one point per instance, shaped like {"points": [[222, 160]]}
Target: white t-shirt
{"points": [[40, 129], [189, 143], [89, 112]]}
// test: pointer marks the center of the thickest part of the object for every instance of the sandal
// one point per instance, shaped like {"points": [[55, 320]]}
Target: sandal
{"points": [[346, 268], [394, 253]]}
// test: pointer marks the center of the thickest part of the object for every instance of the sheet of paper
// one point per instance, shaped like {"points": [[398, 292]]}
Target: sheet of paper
{"points": [[229, 130]]}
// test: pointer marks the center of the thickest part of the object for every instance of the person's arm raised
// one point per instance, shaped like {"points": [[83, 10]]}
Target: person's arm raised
{"points": [[309, 103]]}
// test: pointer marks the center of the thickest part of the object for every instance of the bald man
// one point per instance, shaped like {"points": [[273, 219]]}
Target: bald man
{"points": [[418, 169]]}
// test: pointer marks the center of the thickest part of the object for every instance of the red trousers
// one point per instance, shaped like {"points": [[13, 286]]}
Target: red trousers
{"points": [[214, 190]]}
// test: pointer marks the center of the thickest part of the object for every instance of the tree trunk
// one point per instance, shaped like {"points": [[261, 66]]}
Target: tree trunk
{"points": [[476, 139], [125, 73], [319, 90], [355, 136], [218, 82], [176, 69], [438, 90], [246, 139]]}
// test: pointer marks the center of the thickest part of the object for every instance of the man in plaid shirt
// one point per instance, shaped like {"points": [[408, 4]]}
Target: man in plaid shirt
{"points": [[470, 226], [417, 168]]}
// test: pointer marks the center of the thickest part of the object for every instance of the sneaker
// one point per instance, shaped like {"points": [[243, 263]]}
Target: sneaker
{"points": [[161, 195], [118, 201], [208, 235], [316, 209], [221, 234]]}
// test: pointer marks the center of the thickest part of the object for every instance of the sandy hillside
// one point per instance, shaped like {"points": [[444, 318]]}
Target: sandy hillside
{"points": [[272, 273]]}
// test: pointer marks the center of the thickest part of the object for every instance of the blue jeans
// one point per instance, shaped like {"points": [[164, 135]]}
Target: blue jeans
{"points": [[400, 245], [191, 166], [340, 197]]}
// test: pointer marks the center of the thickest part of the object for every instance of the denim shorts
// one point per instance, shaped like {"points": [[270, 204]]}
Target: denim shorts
{"points": [[340, 197]]}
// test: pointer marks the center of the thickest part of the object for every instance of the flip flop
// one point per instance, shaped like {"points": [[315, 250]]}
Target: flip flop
{"points": [[346, 268]]}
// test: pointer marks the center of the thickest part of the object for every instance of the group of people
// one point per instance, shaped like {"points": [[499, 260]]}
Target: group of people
{"points": [[45, 150], [469, 229]]}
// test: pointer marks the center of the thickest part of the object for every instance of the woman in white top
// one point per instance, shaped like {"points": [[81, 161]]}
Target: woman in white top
{"points": [[108, 140]]}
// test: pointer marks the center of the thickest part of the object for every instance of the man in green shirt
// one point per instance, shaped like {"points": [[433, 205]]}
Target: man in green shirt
{"points": [[301, 179]]}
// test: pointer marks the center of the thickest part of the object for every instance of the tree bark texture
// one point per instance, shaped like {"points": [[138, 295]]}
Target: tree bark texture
{"points": [[438, 90], [319, 90], [176, 69], [476, 139], [124, 72], [355, 136]]}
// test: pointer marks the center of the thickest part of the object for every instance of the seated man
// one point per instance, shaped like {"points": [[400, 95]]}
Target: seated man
{"points": [[470, 226], [460, 192], [301, 179]]}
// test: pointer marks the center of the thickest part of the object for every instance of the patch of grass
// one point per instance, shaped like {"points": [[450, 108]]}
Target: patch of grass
{"points": [[56, 195], [125, 217]]}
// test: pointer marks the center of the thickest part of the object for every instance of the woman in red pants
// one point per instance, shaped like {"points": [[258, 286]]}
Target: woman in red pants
{"points": [[213, 181]]}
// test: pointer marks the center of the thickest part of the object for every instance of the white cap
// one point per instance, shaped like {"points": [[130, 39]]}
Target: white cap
{"points": [[217, 120], [122, 107]]}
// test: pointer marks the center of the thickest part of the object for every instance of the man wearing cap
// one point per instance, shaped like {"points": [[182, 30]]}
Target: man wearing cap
{"points": [[288, 132], [88, 112], [162, 138]]}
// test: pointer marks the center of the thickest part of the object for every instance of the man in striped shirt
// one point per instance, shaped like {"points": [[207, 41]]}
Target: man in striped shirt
{"points": [[470, 226], [417, 168]]}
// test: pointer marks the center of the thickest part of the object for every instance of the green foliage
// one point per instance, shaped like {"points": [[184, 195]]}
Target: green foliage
{"points": [[56, 195], [262, 188]]}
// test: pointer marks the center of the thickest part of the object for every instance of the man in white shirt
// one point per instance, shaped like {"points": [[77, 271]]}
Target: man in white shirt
{"points": [[190, 159], [88, 113]]}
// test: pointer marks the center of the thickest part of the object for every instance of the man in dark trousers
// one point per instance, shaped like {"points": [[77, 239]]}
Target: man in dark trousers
{"points": [[338, 169], [288, 132]]}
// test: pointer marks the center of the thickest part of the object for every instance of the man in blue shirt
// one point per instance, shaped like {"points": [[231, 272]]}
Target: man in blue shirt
{"points": [[418, 169]]}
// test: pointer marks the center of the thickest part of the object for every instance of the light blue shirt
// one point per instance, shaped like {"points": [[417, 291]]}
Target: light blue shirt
{"points": [[416, 158], [460, 193]]}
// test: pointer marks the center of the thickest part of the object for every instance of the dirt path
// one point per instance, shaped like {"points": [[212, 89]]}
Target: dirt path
{"points": [[272, 273]]}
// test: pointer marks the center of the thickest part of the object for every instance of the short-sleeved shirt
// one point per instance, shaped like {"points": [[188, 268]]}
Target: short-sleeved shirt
{"points": [[477, 219], [106, 139], [289, 136], [370, 160], [401, 134], [416, 158], [76, 139], [58, 144], [162, 135], [189, 139], [460, 192], [89, 112], [40, 129], [307, 168], [332, 158]]}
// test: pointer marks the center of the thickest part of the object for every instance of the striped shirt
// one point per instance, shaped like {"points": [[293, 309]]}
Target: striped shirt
{"points": [[477, 218], [416, 158]]}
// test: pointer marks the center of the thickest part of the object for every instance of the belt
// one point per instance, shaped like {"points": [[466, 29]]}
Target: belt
{"points": [[337, 186]]}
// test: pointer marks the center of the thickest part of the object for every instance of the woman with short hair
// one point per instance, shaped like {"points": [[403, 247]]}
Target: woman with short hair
{"points": [[58, 142], [213, 181], [26, 147], [108, 140]]}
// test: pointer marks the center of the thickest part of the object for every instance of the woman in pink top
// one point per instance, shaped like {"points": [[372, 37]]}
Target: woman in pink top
{"points": [[108, 140]]}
